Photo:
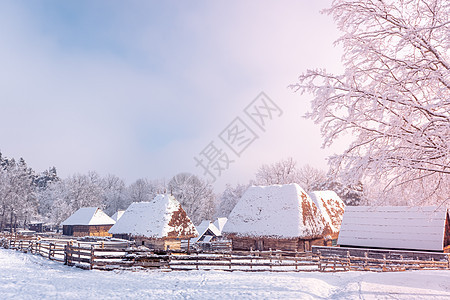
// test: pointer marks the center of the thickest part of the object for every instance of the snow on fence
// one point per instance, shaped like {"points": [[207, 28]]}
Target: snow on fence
{"points": [[364, 259], [215, 246], [110, 256]]}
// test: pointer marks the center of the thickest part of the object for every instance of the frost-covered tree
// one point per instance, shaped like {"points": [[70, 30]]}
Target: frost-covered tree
{"points": [[229, 198], [115, 195], [393, 97], [281, 172], [43, 179], [308, 176], [195, 195], [286, 171], [144, 190], [70, 194], [352, 195], [18, 204]]}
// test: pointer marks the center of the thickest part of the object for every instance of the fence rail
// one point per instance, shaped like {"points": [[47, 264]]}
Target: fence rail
{"points": [[361, 259], [109, 256]]}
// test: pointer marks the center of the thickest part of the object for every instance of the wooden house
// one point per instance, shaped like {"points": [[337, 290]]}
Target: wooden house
{"points": [[88, 221], [207, 232], [332, 208], [396, 227], [275, 217], [160, 224], [36, 226]]}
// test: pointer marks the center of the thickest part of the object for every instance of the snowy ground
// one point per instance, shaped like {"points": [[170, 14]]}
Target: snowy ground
{"points": [[26, 276]]}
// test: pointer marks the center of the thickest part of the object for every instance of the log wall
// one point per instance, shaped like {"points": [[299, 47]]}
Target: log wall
{"points": [[87, 230], [266, 243]]}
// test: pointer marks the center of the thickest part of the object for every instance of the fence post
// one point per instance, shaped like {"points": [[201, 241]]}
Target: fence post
{"points": [[320, 260], [366, 256], [91, 261], [448, 259], [296, 260], [65, 254], [196, 262], [334, 263], [270, 258], [50, 250]]}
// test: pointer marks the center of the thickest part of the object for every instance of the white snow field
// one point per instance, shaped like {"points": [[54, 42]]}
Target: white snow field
{"points": [[26, 276]]}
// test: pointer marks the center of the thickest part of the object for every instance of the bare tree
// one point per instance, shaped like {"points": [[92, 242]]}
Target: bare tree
{"points": [[229, 198], [286, 171], [308, 176], [195, 195], [114, 194], [282, 172], [394, 96]]}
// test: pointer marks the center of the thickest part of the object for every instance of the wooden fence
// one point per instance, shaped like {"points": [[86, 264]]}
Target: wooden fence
{"points": [[109, 256], [360, 259], [215, 246]]}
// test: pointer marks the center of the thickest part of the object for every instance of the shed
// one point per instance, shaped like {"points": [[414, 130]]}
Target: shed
{"points": [[275, 217], [88, 221], [207, 232], [332, 208], [396, 227], [159, 224]]}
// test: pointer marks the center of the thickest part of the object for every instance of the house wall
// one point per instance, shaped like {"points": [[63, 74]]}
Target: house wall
{"points": [[159, 244], [264, 243], [87, 230], [38, 227]]}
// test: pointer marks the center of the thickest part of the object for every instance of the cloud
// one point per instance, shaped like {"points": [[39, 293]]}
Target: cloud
{"points": [[143, 88]]}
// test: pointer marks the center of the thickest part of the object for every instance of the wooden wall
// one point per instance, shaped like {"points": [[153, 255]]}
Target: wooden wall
{"points": [[159, 244], [87, 230], [266, 243]]}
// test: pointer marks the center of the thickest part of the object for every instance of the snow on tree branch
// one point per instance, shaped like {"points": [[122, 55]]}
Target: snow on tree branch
{"points": [[394, 96]]}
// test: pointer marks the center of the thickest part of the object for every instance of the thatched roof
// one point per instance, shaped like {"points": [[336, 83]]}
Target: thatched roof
{"points": [[280, 211], [162, 217], [332, 208]]}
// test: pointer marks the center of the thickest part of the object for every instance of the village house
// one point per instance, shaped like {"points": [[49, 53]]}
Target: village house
{"points": [[207, 232], [160, 224], [88, 221], [396, 227], [274, 217]]}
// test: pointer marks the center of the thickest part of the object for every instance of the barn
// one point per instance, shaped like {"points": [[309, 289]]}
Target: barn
{"points": [[88, 221], [396, 227], [160, 224], [274, 217], [332, 208]]}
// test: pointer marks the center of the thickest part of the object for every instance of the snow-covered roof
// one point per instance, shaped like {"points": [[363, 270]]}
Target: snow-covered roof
{"points": [[331, 206], [117, 215], [202, 229], [220, 223], [161, 217], [89, 216], [394, 227], [283, 211]]}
